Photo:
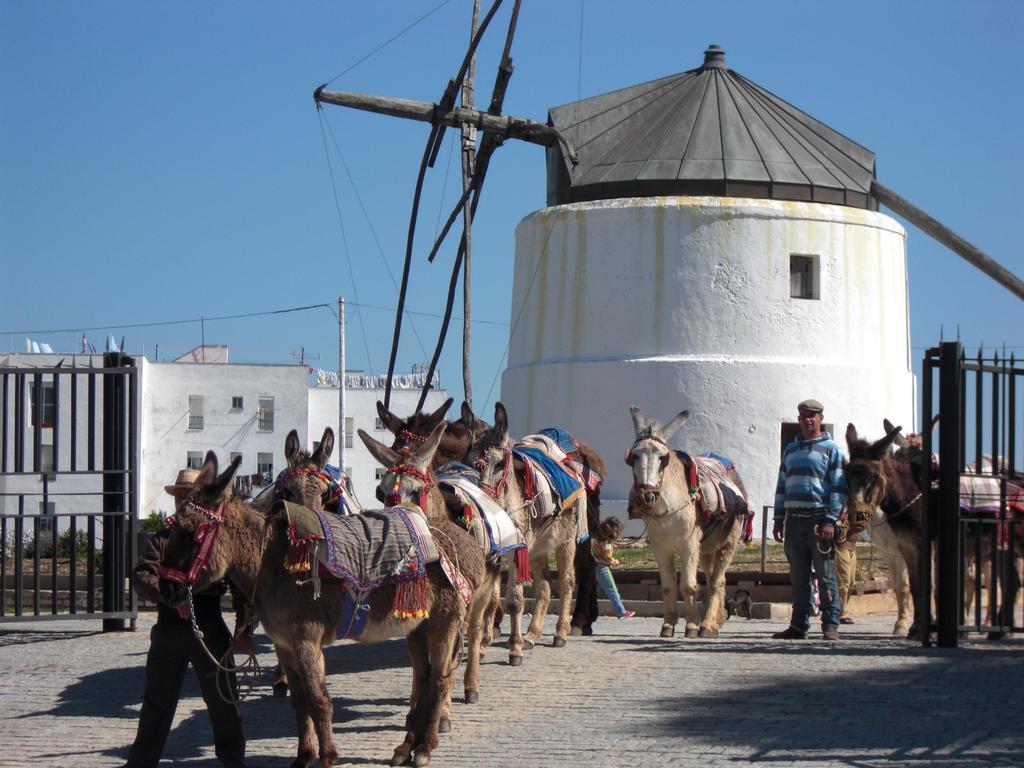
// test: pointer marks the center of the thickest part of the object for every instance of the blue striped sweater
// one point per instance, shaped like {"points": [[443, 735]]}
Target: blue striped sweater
{"points": [[812, 478]]}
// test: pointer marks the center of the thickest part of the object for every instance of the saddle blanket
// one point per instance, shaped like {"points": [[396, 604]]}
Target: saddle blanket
{"points": [[366, 550], [545, 457], [717, 496], [492, 525]]}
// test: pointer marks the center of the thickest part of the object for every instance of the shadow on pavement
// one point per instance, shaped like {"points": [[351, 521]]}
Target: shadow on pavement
{"points": [[934, 713]]}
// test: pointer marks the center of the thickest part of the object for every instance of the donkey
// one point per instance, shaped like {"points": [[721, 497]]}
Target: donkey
{"points": [[662, 496], [503, 476], [396, 487], [879, 480], [217, 536], [412, 431]]}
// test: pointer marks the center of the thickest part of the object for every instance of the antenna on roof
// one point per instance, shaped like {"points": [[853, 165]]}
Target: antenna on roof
{"points": [[302, 355]]}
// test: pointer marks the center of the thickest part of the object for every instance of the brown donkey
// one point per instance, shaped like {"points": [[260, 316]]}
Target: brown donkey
{"points": [[217, 536], [395, 487], [503, 476], [662, 496]]}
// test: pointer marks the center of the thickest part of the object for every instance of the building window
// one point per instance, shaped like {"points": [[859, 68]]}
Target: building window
{"points": [[237, 403], [47, 511], [44, 408], [791, 431], [195, 412], [265, 415], [194, 459], [803, 277], [350, 428], [45, 458], [378, 473], [265, 467]]}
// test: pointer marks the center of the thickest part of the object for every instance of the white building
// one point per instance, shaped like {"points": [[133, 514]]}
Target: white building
{"points": [[183, 409], [715, 250]]}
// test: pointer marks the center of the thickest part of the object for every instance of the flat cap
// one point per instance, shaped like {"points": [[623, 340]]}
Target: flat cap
{"points": [[811, 405]]}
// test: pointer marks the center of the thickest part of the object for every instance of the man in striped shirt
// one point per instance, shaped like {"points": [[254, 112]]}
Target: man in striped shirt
{"points": [[809, 498]]}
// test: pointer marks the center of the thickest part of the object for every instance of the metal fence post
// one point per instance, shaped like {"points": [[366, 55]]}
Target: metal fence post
{"points": [[948, 584]]}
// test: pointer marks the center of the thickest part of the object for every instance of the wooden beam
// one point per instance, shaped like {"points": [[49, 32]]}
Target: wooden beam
{"points": [[948, 238], [502, 125]]}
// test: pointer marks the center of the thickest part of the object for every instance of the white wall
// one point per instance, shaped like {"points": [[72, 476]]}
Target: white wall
{"points": [[684, 303], [167, 438]]}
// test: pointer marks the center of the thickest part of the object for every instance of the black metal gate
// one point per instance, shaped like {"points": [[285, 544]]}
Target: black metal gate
{"points": [[68, 505], [970, 520]]}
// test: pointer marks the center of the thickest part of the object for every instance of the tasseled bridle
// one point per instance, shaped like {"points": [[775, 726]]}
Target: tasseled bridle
{"points": [[204, 536], [645, 491], [331, 495], [481, 464], [394, 498]]}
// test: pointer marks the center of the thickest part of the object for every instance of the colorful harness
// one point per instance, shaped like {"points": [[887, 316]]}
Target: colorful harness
{"points": [[334, 490], [205, 535]]}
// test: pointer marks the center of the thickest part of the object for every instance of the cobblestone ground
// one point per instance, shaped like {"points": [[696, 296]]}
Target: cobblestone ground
{"points": [[624, 697]]}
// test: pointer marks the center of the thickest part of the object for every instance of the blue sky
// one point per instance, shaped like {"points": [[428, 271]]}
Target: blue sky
{"points": [[164, 162]]}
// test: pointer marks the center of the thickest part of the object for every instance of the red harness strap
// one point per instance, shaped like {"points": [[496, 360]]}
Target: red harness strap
{"points": [[205, 535], [394, 498]]}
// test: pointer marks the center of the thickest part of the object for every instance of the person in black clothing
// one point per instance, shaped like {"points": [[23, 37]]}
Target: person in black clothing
{"points": [[173, 646]]}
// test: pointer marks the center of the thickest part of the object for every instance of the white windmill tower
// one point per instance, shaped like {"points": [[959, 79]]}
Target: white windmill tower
{"points": [[715, 249]]}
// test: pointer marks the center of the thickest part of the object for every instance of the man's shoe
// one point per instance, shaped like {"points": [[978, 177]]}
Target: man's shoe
{"points": [[830, 633], [789, 633], [846, 620]]}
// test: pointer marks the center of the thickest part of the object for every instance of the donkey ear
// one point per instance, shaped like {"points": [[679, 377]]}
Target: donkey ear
{"points": [[382, 453], [292, 447], [888, 427], [207, 472], [425, 454], [222, 485], [392, 422], [438, 415], [881, 447], [639, 422], [500, 418], [851, 435], [323, 451], [467, 415], [676, 423]]}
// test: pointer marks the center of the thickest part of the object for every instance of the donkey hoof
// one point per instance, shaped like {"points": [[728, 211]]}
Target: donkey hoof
{"points": [[472, 697], [691, 632], [668, 631], [421, 758], [515, 660], [558, 642], [401, 756], [707, 632], [280, 690], [527, 644], [444, 725]]}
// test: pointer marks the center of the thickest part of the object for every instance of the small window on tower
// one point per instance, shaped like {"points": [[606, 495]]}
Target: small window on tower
{"points": [[803, 277]]}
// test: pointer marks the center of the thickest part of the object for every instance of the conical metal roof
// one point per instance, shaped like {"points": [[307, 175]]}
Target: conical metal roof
{"points": [[708, 131]]}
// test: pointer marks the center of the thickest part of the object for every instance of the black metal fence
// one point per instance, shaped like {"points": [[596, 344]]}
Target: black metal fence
{"points": [[976, 536], [68, 504]]}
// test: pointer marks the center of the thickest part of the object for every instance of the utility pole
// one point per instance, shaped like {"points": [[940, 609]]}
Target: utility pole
{"points": [[468, 161], [341, 384]]}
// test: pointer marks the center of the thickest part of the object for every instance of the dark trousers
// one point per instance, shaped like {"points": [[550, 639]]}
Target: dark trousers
{"points": [[584, 612], [172, 647]]}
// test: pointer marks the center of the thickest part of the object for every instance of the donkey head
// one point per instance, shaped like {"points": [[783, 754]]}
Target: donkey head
{"points": [[190, 557], [490, 454], [305, 481], [408, 478], [866, 471], [649, 455], [410, 433]]}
